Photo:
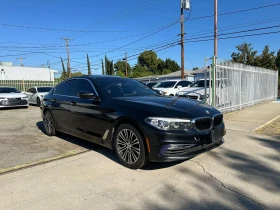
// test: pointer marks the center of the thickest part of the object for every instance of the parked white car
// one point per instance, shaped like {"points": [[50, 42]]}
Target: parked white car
{"points": [[196, 91], [36, 94], [171, 87], [12, 97]]}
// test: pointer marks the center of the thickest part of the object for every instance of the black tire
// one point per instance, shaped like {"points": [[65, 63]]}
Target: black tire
{"points": [[38, 102], [49, 124], [171, 95], [129, 147]]}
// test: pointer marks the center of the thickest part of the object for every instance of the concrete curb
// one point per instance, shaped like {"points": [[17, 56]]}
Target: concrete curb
{"points": [[266, 124], [40, 162]]}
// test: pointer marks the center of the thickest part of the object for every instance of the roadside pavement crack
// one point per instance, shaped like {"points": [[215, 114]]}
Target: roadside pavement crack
{"points": [[224, 186]]}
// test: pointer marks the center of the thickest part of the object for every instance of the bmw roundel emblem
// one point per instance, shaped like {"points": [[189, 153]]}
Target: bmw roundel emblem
{"points": [[207, 112]]}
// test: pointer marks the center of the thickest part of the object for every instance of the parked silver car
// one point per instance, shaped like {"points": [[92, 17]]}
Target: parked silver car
{"points": [[12, 97], [36, 94]]}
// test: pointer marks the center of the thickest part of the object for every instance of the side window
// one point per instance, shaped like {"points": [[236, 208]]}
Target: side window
{"points": [[179, 84], [33, 90], [65, 88], [185, 83], [82, 85]]}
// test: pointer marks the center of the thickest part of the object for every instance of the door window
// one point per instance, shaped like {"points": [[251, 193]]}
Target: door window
{"points": [[65, 88], [82, 85]]}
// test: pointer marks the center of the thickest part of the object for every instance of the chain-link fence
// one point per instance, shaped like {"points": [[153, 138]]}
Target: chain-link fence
{"points": [[239, 86], [23, 85]]}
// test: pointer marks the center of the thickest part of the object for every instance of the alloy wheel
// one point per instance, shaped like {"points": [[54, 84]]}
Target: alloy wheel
{"points": [[48, 122], [128, 146]]}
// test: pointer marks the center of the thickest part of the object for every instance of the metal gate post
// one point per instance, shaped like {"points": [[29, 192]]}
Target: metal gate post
{"points": [[213, 80]]}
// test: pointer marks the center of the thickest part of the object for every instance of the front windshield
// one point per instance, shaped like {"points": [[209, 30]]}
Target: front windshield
{"points": [[151, 84], [8, 90], [44, 89], [122, 87], [200, 83], [168, 84]]}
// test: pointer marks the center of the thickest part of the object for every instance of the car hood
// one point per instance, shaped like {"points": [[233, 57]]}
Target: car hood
{"points": [[12, 95], [194, 90], [164, 89], [43, 93], [164, 106]]}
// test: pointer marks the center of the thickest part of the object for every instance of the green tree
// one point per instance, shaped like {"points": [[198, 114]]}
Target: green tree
{"points": [[166, 71], [109, 66], [245, 54], [120, 67], [102, 63], [76, 74], [195, 68], [172, 65], [160, 66], [266, 59], [149, 60], [277, 61], [120, 73], [63, 74], [88, 65], [140, 71]]}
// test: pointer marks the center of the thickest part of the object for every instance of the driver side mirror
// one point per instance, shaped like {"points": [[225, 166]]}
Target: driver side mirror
{"points": [[87, 95], [179, 87]]}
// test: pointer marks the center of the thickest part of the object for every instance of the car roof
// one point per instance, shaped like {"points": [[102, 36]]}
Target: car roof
{"points": [[97, 76]]}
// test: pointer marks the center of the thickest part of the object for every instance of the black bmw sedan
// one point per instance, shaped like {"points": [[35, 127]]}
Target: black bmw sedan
{"points": [[132, 119]]}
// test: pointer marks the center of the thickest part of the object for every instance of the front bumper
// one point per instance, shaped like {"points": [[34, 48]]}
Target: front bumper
{"points": [[13, 102], [166, 147]]}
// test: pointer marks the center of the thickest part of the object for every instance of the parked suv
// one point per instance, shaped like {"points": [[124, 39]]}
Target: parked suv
{"points": [[171, 87], [132, 119]]}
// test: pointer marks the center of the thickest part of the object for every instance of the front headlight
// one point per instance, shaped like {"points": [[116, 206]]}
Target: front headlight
{"points": [[1, 98], [169, 123]]}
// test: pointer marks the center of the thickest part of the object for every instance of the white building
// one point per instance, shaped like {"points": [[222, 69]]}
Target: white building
{"points": [[10, 72]]}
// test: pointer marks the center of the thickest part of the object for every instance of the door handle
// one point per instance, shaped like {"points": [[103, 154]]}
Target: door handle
{"points": [[73, 103], [53, 100]]}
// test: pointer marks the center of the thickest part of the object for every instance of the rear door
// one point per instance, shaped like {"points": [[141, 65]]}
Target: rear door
{"points": [[61, 98], [85, 113]]}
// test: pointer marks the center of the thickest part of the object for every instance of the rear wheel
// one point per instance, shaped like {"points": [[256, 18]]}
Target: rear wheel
{"points": [[171, 95], [49, 124], [129, 147]]}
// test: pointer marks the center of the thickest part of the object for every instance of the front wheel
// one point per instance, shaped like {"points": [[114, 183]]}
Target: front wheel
{"points": [[38, 102], [129, 147], [49, 124]]}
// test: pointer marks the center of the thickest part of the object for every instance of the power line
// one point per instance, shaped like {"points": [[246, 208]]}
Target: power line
{"points": [[238, 11]]}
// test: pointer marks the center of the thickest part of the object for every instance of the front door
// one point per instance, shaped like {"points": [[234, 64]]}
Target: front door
{"points": [[61, 98], [85, 113]]}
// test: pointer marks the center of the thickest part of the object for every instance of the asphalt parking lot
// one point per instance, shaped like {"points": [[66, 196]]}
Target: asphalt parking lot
{"points": [[24, 143], [243, 173]]}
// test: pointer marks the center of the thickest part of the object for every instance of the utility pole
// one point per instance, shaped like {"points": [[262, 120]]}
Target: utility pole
{"points": [[182, 45], [126, 64], [185, 4], [68, 56], [214, 62], [20, 59], [125, 59], [216, 28]]}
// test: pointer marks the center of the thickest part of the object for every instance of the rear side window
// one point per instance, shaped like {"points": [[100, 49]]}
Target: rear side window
{"points": [[82, 85], [65, 88]]}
